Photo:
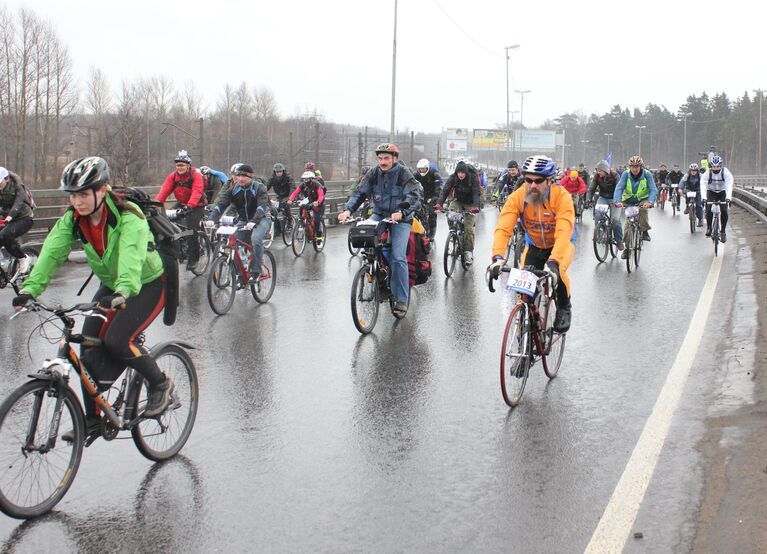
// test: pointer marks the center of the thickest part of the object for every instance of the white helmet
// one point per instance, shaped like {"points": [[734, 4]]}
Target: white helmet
{"points": [[308, 175], [423, 163], [461, 159]]}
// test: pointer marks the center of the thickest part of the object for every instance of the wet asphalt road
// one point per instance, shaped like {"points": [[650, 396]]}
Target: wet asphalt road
{"points": [[310, 437]]}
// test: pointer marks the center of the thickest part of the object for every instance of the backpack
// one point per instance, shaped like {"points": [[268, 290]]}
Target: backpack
{"points": [[29, 200], [166, 242], [418, 263]]}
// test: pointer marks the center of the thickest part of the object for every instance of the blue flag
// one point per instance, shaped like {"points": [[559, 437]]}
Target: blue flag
{"points": [[609, 159]]}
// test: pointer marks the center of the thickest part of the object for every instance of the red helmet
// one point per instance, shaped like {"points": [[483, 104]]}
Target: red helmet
{"points": [[387, 148], [309, 166]]}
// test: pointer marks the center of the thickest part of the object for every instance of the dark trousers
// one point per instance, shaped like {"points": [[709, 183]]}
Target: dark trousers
{"points": [[117, 334], [712, 196], [192, 221], [537, 258], [11, 231]]}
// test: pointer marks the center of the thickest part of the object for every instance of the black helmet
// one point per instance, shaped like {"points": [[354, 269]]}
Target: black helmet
{"points": [[364, 169], [512, 163], [279, 167], [85, 173]]}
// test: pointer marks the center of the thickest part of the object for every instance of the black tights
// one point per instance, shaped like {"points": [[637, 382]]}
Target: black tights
{"points": [[714, 197]]}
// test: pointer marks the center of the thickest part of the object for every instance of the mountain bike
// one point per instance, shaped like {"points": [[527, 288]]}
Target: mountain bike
{"points": [[632, 237], [529, 333], [10, 268], [304, 231], [716, 228], [674, 199], [516, 245], [229, 272], [454, 242], [372, 282], [578, 204], [691, 210], [204, 246], [39, 465], [603, 239]]}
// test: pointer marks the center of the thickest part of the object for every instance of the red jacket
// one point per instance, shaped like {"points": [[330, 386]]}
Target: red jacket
{"points": [[574, 187], [187, 188]]}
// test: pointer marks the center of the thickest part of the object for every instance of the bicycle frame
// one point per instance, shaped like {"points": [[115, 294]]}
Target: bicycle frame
{"points": [[233, 255]]}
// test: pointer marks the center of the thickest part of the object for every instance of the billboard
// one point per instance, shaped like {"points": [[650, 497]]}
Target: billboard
{"points": [[488, 139], [456, 139], [537, 140]]}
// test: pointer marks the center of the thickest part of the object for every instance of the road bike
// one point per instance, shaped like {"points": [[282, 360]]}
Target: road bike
{"points": [[372, 282], [304, 231], [229, 272], [716, 228], [603, 239], [692, 210], [39, 464], [204, 247], [529, 334], [674, 199], [632, 238], [454, 242]]}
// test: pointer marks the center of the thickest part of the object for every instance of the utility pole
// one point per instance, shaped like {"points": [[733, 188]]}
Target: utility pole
{"points": [[508, 127], [393, 73], [584, 142], [685, 115], [360, 151], [290, 153], [759, 153], [202, 141], [640, 127], [522, 105], [412, 146], [316, 143]]}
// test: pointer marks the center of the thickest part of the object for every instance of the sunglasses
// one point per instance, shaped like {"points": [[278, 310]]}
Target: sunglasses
{"points": [[538, 181]]}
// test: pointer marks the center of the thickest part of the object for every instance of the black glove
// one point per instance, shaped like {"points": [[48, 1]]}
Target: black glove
{"points": [[21, 300], [112, 301]]}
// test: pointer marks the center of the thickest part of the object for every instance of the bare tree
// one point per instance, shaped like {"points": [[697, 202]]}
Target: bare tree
{"points": [[98, 99], [225, 109], [127, 154]]}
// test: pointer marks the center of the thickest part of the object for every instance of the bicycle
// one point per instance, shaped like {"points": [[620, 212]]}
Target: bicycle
{"points": [[716, 235], [10, 270], [229, 272], [284, 218], [691, 210], [304, 230], [372, 282], [39, 466], [603, 239], [454, 243], [203, 241], [578, 205], [529, 333], [516, 245], [632, 237], [674, 198], [502, 197]]}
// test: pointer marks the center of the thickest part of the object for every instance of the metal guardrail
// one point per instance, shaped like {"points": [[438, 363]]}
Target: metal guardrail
{"points": [[750, 192]]}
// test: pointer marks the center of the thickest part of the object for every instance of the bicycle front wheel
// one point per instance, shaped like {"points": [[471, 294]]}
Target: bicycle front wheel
{"points": [[287, 230], [600, 241], [205, 253], [452, 251], [352, 250], [162, 437], [319, 243], [269, 238], [262, 290], [629, 242], [365, 299], [222, 285], [516, 354], [637, 247], [299, 238], [691, 213], [38, 470]]}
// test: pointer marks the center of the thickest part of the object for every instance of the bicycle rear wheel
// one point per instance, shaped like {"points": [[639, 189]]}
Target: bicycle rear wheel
{"points": [[600, 241], [222, 285], [299, 237], [162, 437], [318, 243], [516, 354], [365, 299], [35, 476], [554, 345], [262, 290], [287, 230], [205, 253], [452, 249], [352, 250]]}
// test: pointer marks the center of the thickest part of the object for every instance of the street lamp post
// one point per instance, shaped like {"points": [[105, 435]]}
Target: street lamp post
{"points": [[393, 72], [522, 105], [608, 135], [508, 127], [584, 142], [685, 115], [759, 153], [640, 127]]}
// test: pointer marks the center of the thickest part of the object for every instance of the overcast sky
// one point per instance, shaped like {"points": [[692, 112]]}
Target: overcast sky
{"points": [[336, 55]]}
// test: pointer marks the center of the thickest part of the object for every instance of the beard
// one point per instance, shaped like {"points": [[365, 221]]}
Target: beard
{"points": [[535, 197]]}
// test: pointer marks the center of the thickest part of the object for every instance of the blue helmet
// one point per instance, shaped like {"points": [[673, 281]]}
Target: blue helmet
{"points": [[539, 165], [716, 161]]}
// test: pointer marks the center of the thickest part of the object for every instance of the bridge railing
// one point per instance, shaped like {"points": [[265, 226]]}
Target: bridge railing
{"points": [[751, 192]]}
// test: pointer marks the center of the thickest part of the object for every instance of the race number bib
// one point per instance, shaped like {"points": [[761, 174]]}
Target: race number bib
{"points": [[691, 195], [521, 281], [632, 211]]}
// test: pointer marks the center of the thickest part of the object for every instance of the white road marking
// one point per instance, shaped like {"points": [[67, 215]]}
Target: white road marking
{"points": [[615, 525]]}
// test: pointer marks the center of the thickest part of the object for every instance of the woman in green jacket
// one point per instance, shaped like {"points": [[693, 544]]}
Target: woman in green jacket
{"points": [[115, 237]]}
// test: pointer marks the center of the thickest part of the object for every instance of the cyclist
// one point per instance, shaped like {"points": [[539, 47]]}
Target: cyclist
{"points": [[603, 183], [17, 215], [249, 198], [691, 183], [389, 187], [636, 187], [576, 186], [282, 184], [716, 185], [548, 218], [213, 182], [674, 177], [186, 184], [583, 172], [431, 181], [661, 174], [509, 181], [309, 166], [311, 188], [117, 244], [464, 185]]}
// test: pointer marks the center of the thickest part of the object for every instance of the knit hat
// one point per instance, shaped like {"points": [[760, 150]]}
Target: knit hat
{"points": [[603, 166], [462, 167]]}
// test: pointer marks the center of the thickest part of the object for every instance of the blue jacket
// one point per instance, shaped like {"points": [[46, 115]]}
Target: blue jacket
{"points": [[620, 187], [387, 190]]}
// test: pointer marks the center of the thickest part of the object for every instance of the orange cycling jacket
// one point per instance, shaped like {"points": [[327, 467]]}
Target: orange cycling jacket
{"points": [[550, 225]]}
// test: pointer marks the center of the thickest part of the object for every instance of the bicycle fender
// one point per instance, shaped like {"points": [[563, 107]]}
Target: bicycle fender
{"points": [[182, 344]]}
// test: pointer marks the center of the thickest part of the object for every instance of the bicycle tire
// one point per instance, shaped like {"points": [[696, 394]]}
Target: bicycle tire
{"points": [[693, 223], [35, 465], [320, 244], [262, 290], [222, 278], [462, 256], [287, 230], [611, 239], [299, 238], [450, 255], [637, 248], [179, 416], [554, 342], [715, 235], [205, 253], [629, 242], [269, 238], [352, 250], [600, 242], [365, 301], [516, 354]]}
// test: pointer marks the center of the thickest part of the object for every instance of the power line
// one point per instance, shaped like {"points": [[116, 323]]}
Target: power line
{"points": [[465, 33]]}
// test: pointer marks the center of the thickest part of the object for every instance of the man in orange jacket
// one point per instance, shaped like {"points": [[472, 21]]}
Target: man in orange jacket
{"points": [[548, 218]]}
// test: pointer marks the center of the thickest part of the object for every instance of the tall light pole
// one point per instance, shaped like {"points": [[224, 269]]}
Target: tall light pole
{"points": [[584, 142], [640, 127], [760, 92], [508, 127], [522, 105], [393, 73], [685, 115], [608, 135]]}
